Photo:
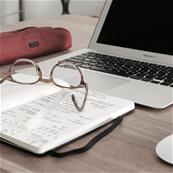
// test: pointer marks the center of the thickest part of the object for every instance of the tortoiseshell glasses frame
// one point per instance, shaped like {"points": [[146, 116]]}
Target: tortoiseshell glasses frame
{"points": [[51, 79]]}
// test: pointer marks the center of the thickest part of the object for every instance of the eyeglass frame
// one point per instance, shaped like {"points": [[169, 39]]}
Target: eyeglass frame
{"points": [[82, 83]]}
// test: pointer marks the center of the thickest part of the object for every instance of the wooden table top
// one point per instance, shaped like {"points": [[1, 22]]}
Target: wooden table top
{"points": [[130, 148]]}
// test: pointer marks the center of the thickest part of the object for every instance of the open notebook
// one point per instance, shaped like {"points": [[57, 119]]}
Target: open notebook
{"points": [[41, 117]]}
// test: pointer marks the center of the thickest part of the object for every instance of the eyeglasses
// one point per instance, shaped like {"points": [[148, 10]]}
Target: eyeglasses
{"points": [[73, 77]]}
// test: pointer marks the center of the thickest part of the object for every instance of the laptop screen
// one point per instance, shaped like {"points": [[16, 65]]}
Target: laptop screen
{"points": [[139, 24]]}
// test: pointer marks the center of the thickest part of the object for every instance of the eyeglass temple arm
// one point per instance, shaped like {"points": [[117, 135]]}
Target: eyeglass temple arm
{"points": [[7, 77], [84, 101], [4, 78]]}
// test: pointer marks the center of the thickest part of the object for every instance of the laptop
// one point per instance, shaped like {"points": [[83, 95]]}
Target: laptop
{"points": [[131, 52]]}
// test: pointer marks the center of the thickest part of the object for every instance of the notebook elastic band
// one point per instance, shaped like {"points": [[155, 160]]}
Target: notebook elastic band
{"points": [[91, 143]]}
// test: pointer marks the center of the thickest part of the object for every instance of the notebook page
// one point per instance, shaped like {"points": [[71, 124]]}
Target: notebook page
{"points": [[60, 121], [13, 94]]}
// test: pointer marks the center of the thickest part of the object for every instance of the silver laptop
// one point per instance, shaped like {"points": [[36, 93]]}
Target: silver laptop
{"points": [[131, 52]]}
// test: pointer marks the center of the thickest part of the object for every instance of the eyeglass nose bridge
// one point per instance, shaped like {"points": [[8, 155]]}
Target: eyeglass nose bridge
{"points": [[46, 80]]}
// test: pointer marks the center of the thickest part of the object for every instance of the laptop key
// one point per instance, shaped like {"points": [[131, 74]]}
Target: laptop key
{"points": [[136, 77], [168, 80], [146, 79], [75, 60], [156, 82], [159, 77], [121, 73], [97, 68], [165, 83], [85, 65]]}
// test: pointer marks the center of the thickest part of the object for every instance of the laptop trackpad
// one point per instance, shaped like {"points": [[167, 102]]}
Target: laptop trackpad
{"points": [[102, 82], [96, 81]]}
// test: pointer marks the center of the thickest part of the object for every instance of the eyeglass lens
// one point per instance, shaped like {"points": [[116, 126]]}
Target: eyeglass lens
{"points": [[66, 75], [16, 72]]}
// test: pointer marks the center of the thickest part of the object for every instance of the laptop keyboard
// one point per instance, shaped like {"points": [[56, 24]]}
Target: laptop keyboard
{"points": [[139, 70]]}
